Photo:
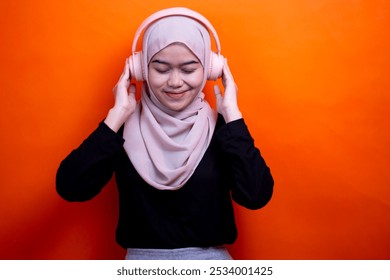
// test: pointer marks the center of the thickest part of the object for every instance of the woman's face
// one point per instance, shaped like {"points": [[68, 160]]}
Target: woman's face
{"points": [[175, 76]]}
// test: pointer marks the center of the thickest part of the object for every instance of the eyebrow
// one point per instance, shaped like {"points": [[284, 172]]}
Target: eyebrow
{"points": [[182, 64]]}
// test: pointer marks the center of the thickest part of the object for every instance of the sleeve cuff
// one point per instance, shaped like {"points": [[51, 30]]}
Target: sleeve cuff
{"points": [[234, 130], [107, 135]]}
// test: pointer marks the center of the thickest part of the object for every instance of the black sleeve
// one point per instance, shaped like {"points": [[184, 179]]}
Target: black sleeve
{"points": [[253, 182], [87, 169]]}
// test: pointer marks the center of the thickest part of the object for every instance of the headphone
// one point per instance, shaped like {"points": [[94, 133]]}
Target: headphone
{"points": [[138, 70]]}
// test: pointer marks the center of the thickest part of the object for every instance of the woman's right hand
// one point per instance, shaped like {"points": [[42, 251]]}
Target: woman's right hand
{"points": [[125, 101]]}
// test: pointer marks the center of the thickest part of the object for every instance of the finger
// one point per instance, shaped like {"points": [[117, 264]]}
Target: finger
{"points": [[226, 71], [127, 66], [126, 72], [228, 77], [132, 89], [217, 92]]}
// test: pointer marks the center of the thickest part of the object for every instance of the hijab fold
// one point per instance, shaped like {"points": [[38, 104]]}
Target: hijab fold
{"points": [[166, 146]]}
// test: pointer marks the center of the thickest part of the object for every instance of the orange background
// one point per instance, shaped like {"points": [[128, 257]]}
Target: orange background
{"points": [[313, 79]]}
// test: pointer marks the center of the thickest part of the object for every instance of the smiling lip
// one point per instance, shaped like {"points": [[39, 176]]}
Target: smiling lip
{"points": [[175, 94]]}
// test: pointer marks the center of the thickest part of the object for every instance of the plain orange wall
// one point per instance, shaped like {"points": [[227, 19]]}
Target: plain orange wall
{"points": [[313, 78]]}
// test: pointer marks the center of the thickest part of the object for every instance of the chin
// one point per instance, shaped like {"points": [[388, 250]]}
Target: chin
{"points": [[176, 108]]}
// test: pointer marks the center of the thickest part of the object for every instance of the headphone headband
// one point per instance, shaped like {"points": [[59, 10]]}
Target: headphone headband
{"points": [[138, 69], [179, 11]]}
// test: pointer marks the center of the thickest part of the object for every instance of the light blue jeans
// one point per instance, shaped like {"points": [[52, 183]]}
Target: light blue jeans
{"points": [[191, 253]]}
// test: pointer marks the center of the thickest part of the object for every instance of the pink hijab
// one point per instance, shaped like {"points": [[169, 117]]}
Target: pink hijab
{"points": [[166, 146]]}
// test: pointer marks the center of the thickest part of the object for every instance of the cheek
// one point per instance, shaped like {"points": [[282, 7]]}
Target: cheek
{"points": [[155, 81], [196, 80]]}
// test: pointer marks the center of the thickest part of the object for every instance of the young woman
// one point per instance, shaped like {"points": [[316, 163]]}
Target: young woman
{"points": [[178, 163]]}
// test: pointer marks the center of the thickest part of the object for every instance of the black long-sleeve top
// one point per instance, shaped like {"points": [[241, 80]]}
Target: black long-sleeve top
{"points": [[200, 214]]}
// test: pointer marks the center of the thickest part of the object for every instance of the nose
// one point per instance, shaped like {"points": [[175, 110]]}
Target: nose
{"points": [[175, 80]]}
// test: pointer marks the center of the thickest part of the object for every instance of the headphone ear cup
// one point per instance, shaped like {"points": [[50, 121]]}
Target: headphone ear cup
{"points": [[136, 70], [216, 66]]}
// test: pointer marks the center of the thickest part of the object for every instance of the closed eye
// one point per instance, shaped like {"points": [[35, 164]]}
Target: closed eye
{"points": [[190, 66], [161, 71], [188, 71], [186, 67]]}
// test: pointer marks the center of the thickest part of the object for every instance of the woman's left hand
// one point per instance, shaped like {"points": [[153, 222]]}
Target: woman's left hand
{"points": [[227, 103]]}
